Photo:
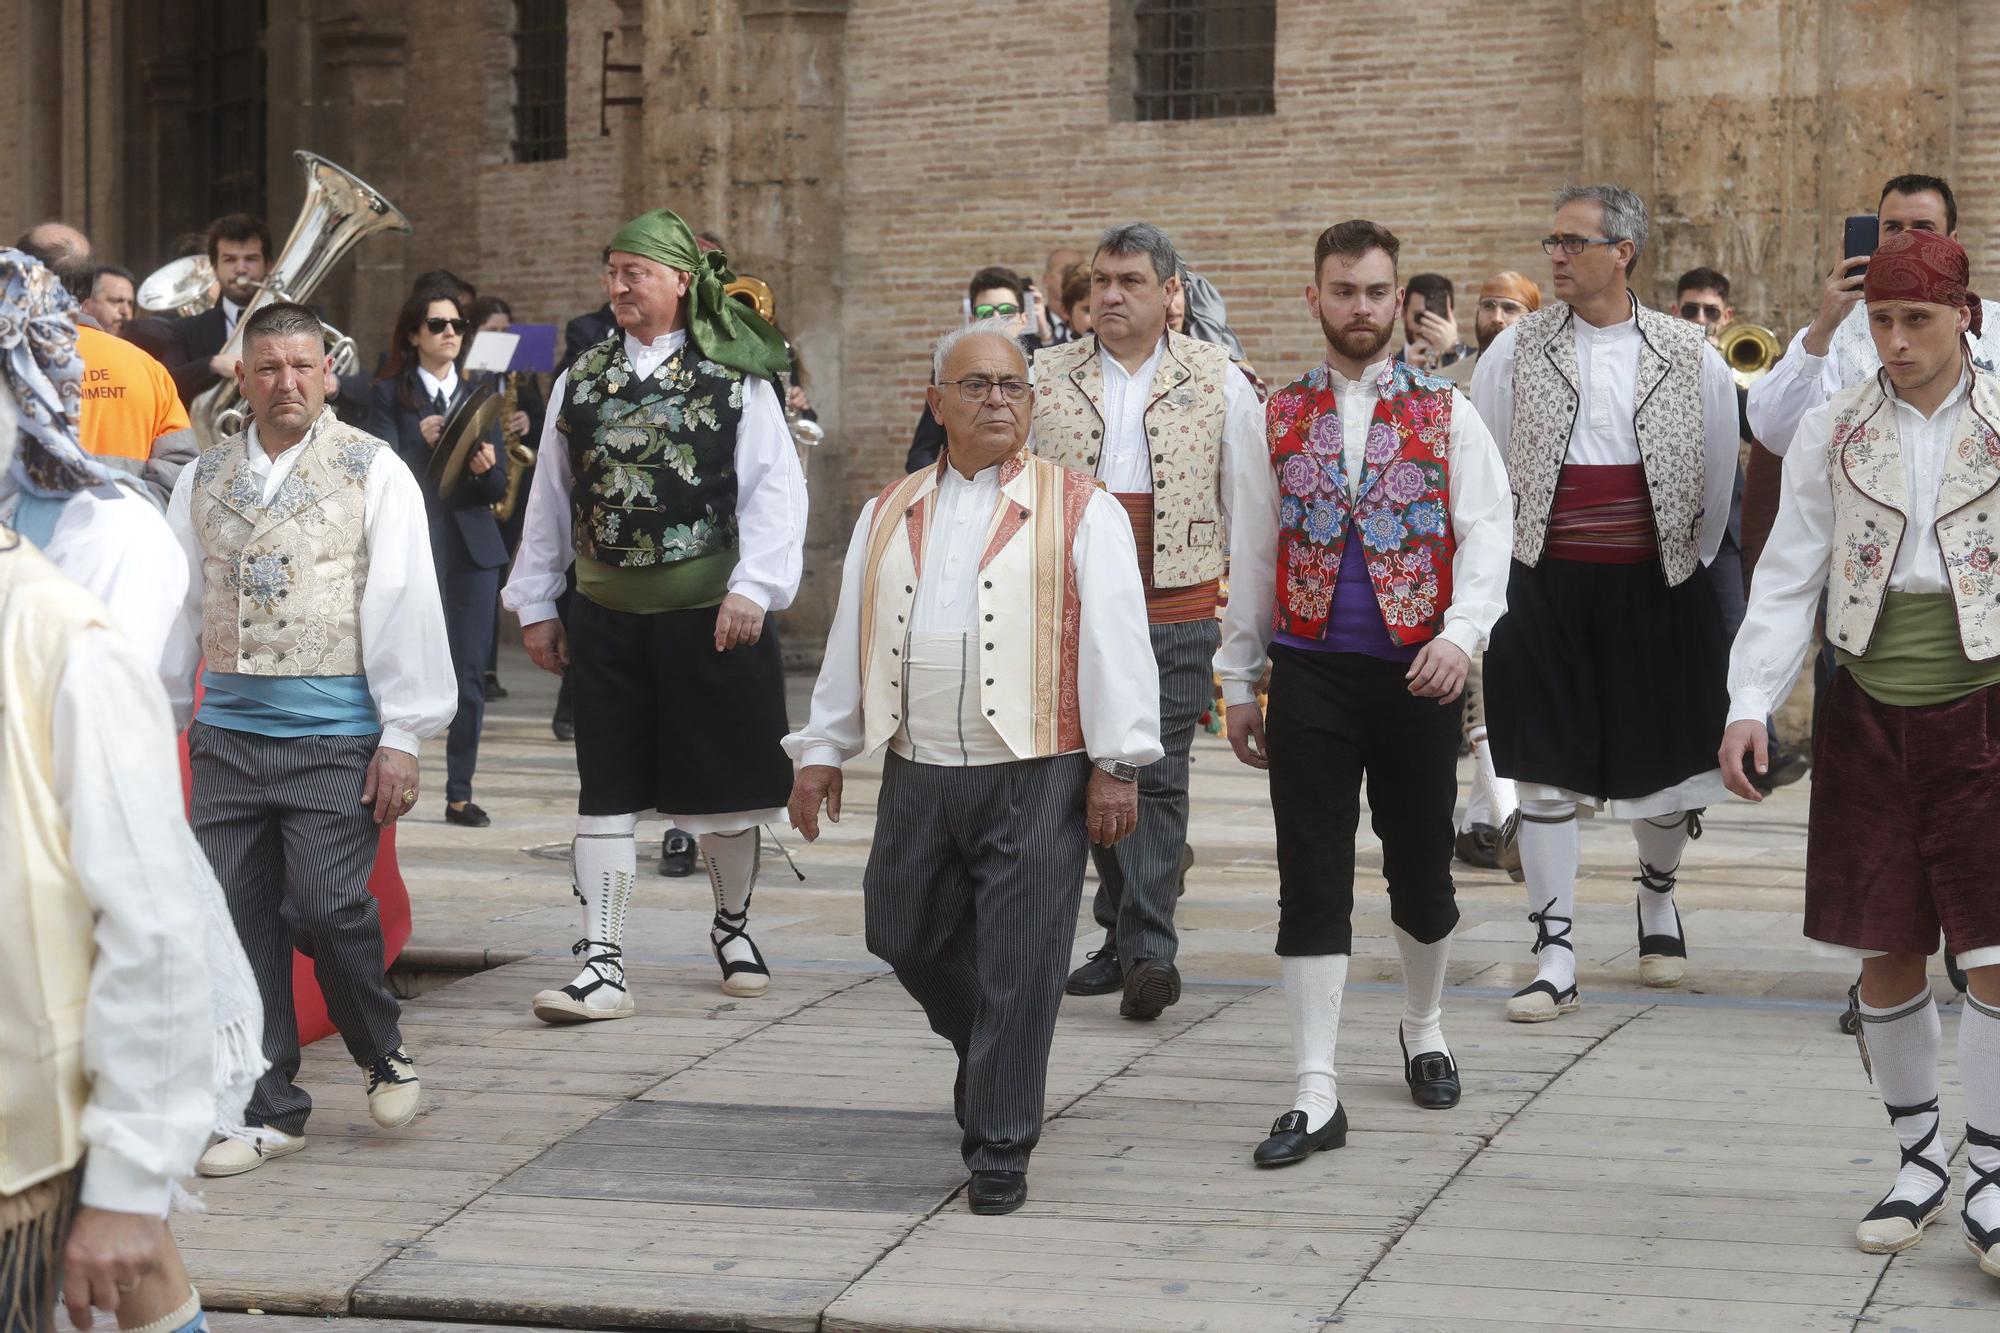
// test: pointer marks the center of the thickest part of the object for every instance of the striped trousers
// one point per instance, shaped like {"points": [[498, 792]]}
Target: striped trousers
{"points": [[281, 820], [971, 894]]}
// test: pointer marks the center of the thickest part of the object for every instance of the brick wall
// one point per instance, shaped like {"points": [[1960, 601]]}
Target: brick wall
{"points": [[985, 134]]}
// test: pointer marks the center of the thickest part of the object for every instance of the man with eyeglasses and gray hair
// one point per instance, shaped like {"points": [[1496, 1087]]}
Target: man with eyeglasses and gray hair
{"points": [[991, 632], [1619, 427], [1157, 417]]}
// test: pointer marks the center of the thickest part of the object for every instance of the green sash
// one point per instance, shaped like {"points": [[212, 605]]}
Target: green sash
{"points": [[684, 585], [1915, 657]]}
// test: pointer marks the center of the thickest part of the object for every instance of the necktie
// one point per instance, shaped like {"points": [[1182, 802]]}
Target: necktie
{"points": [[437, 402]]}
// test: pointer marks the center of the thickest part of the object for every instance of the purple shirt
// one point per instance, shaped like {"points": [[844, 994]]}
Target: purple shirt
{"points": [[1354, 624]]}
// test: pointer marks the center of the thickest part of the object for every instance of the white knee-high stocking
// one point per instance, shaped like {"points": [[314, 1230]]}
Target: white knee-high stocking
{"points": [[1902, 1042], [1660, 843], [1979, 1068], [603, 867], [1313, 987], [1548, 861], [1423, 991], [732, 872], [1491, 798]]}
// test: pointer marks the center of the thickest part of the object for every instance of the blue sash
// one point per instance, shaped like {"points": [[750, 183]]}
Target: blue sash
{"points": [[36, 516], [289, 705]]}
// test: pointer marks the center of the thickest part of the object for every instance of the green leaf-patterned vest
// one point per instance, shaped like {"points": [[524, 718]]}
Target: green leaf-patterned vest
{"points": [[654, 459]]}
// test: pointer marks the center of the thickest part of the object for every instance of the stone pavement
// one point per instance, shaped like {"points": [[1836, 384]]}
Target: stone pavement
{"points": [[1689, 1160]]}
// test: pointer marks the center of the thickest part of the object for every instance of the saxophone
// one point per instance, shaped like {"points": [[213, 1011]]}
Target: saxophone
{"points": [[520, 456]]}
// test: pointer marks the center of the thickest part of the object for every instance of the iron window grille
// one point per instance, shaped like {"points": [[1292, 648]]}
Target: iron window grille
{"points": [[1199, 59], [541, 80]]}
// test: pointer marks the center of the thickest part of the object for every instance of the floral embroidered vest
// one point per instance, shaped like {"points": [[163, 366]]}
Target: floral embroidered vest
{"points": [[1666, 417], [1183, 432], [1868, 475], [282, 583], [654, 459], [1399, 506], [1030, 614]]}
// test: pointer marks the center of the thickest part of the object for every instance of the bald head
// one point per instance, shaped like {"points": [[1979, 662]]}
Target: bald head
{"points": [[57, 244]]}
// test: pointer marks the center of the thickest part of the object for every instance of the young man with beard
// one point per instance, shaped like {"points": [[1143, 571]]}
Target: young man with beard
{"points": [[1369, 555], [1889, 492], [1619, 428]]}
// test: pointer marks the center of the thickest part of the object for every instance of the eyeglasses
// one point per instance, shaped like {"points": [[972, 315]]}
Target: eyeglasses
{"points": [[1500, 305], [989, 311], [1701, 312], [978, 390], [1574, 245], [436, 325]]}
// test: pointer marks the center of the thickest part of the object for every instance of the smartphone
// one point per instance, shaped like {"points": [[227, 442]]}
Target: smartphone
{"points": [[1028, 305], [1859, 237]]}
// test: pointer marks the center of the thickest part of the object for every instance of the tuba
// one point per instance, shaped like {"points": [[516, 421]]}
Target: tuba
{"points": [[340, 211], [1750, 350]]}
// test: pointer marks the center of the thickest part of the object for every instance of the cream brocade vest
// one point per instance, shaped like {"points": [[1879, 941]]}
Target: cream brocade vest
{"points": [[1869, 477], [1183, 432], [1666, 417], [1029, 615], [281, 584], [47, 939]]}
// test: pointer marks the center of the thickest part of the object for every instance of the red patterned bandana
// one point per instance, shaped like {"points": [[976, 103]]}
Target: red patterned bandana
{"points": [[1921, 266]]}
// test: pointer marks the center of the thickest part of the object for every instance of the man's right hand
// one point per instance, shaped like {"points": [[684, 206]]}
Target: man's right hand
{"points": [[816, 785], [1837, 296], [1245, 723], [106, 1256], [547, 645], [1749, 738]]}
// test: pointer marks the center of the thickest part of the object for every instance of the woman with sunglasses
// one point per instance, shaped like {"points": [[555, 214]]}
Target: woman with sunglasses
{"points": [[414, 394]]}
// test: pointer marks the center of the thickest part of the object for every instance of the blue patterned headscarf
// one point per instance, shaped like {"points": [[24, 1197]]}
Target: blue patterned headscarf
{"points": [[44, 372]]}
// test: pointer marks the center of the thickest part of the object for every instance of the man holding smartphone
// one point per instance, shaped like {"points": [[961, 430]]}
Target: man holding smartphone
{"points": [[1835, 351]]}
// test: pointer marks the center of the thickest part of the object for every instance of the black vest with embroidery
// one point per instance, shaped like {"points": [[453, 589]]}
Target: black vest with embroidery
{"points": [[653, 461]]}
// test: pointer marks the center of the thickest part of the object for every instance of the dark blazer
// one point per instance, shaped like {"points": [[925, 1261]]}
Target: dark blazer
{"points": [[464, 532], [200, 338], [586, 331]]}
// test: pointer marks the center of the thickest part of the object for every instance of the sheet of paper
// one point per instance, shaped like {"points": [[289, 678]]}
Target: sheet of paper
{"points": [[490, 351]]}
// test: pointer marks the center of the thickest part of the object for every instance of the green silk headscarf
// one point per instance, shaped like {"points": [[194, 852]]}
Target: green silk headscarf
{"points": [[726, 331]]}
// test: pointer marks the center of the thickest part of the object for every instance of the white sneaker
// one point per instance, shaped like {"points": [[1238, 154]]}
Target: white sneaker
{"points": [[393, 1090], [234, 1156], [597, 994]]}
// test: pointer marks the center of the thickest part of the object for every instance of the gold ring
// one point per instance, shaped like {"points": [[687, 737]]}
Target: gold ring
{"points": [[409, 795]]}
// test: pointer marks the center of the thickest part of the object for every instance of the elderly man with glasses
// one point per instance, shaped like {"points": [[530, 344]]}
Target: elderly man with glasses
{"points": [[991, 632], [1620, 432]]}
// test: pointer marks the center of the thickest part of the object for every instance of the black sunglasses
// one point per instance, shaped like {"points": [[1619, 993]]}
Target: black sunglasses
{"points": [[437, 325]]}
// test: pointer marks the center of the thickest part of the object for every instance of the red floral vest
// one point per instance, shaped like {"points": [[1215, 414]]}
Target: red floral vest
{"points": [[1401, 510]]}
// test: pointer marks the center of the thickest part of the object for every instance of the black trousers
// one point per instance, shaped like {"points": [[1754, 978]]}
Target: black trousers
{"points": [[971, 893], [470, 595], [1336, 719]]}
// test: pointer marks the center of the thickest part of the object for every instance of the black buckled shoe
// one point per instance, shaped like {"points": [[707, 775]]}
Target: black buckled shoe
{"points": [[1478, 846], [677, 854], [1150, 987], [992, 1193], [1432, 1076], [1099, 975], [1291, 1141]]}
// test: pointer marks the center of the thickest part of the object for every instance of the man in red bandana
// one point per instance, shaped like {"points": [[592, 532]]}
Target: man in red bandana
{"points": [[1892, 507]]}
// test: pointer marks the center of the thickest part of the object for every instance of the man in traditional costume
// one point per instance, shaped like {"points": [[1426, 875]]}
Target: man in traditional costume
{"points": [[1369, 556], [1618, 424], [1489, 801], [991, 632], [107, 1014], [313, 601], [669, 477], [1158, 418], [1892, 509]]}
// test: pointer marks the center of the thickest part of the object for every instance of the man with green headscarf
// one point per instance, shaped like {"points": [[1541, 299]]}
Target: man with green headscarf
{"points": [[668, 475]]}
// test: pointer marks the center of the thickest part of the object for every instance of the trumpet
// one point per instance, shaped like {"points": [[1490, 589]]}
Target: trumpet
{"points": [[520, 456], [1750, 350], [757, 294]]}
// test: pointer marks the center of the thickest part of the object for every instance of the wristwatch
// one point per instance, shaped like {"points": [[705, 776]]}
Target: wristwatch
{"points": [[1118, 769]]}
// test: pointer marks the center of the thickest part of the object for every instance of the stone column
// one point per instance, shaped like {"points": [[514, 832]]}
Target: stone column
{"points": [[743, 137]]}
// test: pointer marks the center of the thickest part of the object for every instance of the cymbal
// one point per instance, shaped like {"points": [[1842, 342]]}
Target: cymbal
{"points": [[464, 431]]}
